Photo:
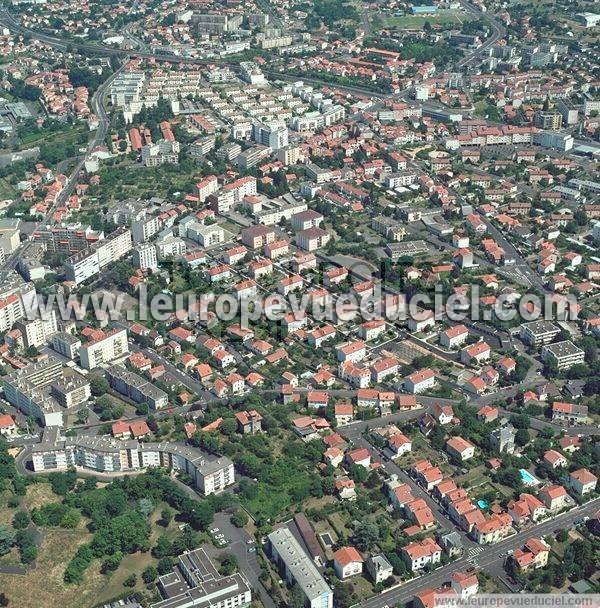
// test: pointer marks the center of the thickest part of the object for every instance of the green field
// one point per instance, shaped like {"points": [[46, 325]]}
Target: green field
{"points": [[413, 22], [6, 190]]}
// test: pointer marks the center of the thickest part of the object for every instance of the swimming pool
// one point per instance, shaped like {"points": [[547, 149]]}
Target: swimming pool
{"points": [[528, 478], [482, 504]]}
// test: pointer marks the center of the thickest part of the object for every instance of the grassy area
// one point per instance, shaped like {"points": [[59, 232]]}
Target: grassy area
{"points": [[135, 563], [6, 190], [417, 22], [43, 587]]}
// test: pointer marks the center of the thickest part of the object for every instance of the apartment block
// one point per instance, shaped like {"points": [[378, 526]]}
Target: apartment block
{"points": [[210, 475], [136, 387], [105, 349], [298, 568]]}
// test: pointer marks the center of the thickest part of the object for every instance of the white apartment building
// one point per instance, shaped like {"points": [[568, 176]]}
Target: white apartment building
{"points": [[88, 263], [36, 332], [104, 350], [144, 257], [563, 354], [144, 228], [298, 568]]}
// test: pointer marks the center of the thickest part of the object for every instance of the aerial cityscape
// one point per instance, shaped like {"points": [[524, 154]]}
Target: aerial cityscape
{"points": [[299, 303]]}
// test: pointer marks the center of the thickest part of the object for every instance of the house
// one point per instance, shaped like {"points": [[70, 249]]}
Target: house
{"points": [[8, 427], [360, 457], [317, 399], [487, 414], [400, 444], [347, 562], [421, 553], [569, 412], [419, 512], [400, 495], [555, 459], [289, 284], [444, 414], [344, 413], [554, 497], [406, 402], [421, 320], [224, 358], [345, 488], [582, 482], [320, 335], [533, 555], [379, 568], [460, 448], [527, 509], [569, 444], [371, 330], [427, 475], [249, 422], [351, 351], [494, 529], [382, 369], [454, 336], [507, 365], [465, 584], [333, 457], [420, 381], [475, 353]]}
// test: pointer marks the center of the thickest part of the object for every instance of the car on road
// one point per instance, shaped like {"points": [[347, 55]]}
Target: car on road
{"points": [[251, 549]]}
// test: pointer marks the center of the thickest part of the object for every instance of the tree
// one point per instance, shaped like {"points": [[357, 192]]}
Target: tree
{"points": [[239, 519], [112, 562], [149, 574], [296, 597], [21, 520], [166, 515], [7, 539], [82, 415], [228, 565], [165, 565], [522, 437], [99, 386], [366, 534], [4, 601], [145, 506], [130, 581]]}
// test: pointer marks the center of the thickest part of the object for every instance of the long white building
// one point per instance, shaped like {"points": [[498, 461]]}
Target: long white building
{"points": [[210, 474], [299, 568]]}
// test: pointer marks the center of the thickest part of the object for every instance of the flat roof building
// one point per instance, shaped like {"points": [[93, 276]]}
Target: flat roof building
{"points": [[298, 568]]}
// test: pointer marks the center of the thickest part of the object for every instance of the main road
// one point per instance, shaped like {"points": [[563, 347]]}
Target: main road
{"points": [[491, 556]]}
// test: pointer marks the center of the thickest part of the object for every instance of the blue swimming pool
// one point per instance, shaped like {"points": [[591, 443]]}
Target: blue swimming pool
{"points": [[528, 478], [482, 504]]}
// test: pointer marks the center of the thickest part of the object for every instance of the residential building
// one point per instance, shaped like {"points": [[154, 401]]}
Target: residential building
{"points": [[417, 555], [379, 568], [209, 474], [196, 582], [136, 387], [347, 562], [144, 257], [536, 333], [563, 354], [298, 568], [37, 332], [104, 349]]}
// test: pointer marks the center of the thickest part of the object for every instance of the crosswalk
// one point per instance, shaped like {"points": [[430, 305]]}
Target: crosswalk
{"points": [[472, 554]]}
